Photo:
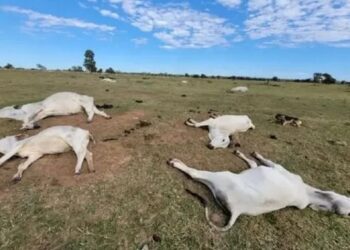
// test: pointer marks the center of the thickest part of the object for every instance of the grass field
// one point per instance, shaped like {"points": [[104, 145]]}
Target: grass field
{"points": [[134, 195]]}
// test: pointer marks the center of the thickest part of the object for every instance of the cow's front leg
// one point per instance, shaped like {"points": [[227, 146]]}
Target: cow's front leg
{"points": [[264, 161], [251, 163], [192, 123]]}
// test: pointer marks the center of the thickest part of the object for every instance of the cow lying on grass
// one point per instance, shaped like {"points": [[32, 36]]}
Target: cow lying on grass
{"points": [[286, 119], [63, 103], [222, 127], [262, 189], [53, 140]]}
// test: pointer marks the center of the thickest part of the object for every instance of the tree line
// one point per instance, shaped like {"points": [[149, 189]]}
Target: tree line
{"points": [[90, 66]]}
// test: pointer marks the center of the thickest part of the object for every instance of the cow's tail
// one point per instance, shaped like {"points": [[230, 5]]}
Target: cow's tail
{"points": [[204, 202], [92, 138]]}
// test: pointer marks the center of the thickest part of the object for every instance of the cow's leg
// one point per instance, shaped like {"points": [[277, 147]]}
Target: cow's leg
{"points": [[30, 123], [193, 123], [88, 157], [23, 166], [199, 175], [264, 161], [81, 151], [8, 155], [101, 113], [251, 163], [80, 159]]}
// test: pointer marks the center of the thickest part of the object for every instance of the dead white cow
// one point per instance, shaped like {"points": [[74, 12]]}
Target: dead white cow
{"points": [[222, 127], [62, 103], [262, 189], [241, 89], [53, 140]]}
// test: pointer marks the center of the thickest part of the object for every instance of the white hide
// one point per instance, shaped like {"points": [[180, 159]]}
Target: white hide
{"points": [[222, 127], [53, 140], [242, 89], [62, 103], [262, 189]]}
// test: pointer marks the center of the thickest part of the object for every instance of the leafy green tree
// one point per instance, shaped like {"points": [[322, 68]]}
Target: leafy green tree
{"points": [[8, 66], [110, 70], [328, 79], [89, 62], [40, 67], [76, 69], [275, 79]]}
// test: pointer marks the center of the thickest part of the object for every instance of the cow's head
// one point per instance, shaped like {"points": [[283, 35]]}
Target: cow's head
{"points": [[13, 112], [219, 141]]}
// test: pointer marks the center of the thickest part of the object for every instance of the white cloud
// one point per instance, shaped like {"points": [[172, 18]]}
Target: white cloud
{"points": [[109, 13], [229, 3], [140, 41], [178, 26], [82, 5], [299, 21], [40, 20]]}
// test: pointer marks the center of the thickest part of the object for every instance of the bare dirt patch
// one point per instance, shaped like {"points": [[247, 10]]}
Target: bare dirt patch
{"points": [[58, 170]]}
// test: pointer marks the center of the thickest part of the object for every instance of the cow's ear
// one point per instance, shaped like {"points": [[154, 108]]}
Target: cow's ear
{"points": [[21, 136]]}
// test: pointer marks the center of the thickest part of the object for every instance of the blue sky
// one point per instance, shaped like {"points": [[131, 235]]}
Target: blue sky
{"points": [[284, 38]]}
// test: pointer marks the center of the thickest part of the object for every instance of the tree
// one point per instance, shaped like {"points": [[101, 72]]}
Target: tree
{"points": [[89, 62], [328, 79], [275, 79], [110, 70], [8, 66], [318, 77], [40, 67], [76, 69], [99, 71]]}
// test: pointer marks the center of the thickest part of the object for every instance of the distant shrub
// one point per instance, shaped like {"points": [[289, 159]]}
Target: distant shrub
{"points": [[76, 69], [99, 71]]}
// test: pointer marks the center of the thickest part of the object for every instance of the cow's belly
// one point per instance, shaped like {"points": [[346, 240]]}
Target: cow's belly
{"points": [[64, 109], [43, 146]]}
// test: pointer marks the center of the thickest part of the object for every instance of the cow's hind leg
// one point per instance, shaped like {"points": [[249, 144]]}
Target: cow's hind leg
{"points": [[88, 157], [81, 151], [101, 113], [23, 166], [251, 163]]}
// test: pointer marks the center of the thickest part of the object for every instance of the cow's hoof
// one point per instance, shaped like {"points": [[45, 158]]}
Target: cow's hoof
{"points": [[109, 117], [237, 144], [77, 174], [254, 154], [93, 171], [236, 152], [170, 161], [16, 179], [36, 126]]}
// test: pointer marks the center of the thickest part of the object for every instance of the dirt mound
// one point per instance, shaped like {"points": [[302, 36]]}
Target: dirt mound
{"points": [[58, 170]]}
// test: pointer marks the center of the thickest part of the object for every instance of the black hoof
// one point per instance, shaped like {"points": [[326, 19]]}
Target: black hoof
{"points": [[210, 146], [169, 161], [16, 180]]}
